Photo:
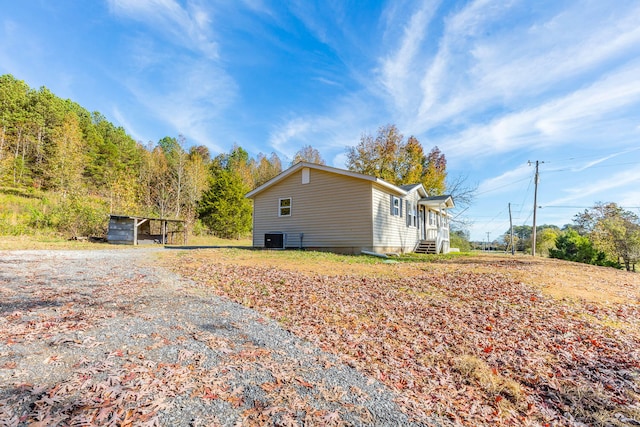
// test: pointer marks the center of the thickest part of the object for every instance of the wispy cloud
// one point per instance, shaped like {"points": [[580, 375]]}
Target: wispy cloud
{"points": [[505, 181], [601, 186], [483, 65], [594, 113], [190, 25], [195, 97], [330, 133], [399, 68], [600, 160], [122, 121]]}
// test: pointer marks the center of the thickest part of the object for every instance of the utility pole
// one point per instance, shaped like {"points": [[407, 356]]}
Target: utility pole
{"points": [[488, 244], [535, 208], [513, 249]]}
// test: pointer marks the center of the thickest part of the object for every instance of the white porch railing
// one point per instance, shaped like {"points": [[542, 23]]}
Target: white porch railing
{"points": [[440, 235]]}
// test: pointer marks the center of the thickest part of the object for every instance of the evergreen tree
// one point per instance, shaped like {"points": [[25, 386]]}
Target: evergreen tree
{"points": [[223, 208]]}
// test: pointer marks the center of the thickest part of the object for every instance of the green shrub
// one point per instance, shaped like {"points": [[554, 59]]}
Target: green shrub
{"points": [[81, 216]]}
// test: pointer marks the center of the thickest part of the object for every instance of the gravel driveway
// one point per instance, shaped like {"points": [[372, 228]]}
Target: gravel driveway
{"points": [[108, 338]]}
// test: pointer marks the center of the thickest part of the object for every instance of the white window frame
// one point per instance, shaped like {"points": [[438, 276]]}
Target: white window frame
{"points": [[397, 206], [281, 207], [412, 214]]}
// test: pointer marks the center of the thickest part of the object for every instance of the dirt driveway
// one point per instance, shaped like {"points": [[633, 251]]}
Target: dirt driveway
{"points": [[108, 338]]}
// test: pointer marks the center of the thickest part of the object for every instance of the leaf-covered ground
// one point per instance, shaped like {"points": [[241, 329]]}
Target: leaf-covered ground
{"points": [[481, 341], [108, 338]]}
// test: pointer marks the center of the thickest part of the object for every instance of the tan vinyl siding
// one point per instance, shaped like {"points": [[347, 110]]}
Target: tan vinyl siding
{"points": [[391, 233], [333, 211]]}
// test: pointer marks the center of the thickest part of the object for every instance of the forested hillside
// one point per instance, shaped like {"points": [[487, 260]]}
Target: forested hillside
{"points": [[64, 169]]}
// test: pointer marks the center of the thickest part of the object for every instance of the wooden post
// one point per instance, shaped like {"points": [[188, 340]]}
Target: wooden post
{"points": [[135, 231]]}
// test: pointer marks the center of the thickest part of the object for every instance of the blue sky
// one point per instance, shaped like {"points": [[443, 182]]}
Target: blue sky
{"points": [[493, 84]]}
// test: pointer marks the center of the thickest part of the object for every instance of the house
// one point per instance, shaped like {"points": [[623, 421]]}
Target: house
{"points": [[319, 207], [134, 230]]}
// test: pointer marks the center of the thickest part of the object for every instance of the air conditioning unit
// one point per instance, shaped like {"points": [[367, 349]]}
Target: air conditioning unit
{"points": [[274, 240]]}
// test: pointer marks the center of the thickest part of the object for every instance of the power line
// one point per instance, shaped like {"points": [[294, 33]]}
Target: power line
{"points": [[585, 207], [591, 167], [526, 193], [502, 186]]}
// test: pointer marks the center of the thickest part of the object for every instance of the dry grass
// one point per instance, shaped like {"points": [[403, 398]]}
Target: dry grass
{"points": [[561, 280], [505, 391], [49, 241]]}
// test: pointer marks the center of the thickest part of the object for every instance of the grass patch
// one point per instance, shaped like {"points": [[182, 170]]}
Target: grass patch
{"points": [[488, 379]]}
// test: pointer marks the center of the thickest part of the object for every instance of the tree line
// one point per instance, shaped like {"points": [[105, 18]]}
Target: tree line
{"points": [[87, 167], [605, 235]]}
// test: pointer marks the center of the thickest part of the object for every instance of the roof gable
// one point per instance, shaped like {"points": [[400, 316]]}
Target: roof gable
{"points": [[445, 201], [298, 166]]}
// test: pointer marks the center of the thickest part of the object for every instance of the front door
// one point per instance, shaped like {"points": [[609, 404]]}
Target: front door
{"points": [[423, 223]]}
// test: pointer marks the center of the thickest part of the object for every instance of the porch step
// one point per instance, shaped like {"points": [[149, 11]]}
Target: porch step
{"points": [[426, 247]]}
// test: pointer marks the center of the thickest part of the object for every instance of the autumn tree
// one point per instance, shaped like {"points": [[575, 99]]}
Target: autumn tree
{"points": [[546, 238], [197, 180], [67, 159], [389, 157], [308, 154], [264, 168]]}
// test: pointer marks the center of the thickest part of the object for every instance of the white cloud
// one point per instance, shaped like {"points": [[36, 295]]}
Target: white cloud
{"points": [[399, 68], [194, 98], [598, 188], [485, 64], [595, 113], [121, 120], [630, 200], [596, 162], [190, 26]]}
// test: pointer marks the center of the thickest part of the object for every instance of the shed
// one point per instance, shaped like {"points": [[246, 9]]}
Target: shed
{"points": [[135, 230]]}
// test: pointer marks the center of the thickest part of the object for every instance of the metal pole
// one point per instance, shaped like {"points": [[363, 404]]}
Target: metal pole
{"points": [[535, 207], [513, 249]]}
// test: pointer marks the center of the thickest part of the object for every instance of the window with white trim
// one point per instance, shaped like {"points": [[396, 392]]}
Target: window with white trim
{"points": [[396, 206], [284, 207], [412, 214]]}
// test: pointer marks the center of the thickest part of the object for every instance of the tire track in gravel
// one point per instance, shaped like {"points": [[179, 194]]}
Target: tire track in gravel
{"points": [[105, 337]]}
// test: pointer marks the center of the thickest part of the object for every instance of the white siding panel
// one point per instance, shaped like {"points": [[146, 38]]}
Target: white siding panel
{"points": [[332, 211], [391, 232]]}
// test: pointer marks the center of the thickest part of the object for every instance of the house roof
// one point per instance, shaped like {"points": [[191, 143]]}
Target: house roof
{"points": [[444, 201], [399, 190], [145, 217]]}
